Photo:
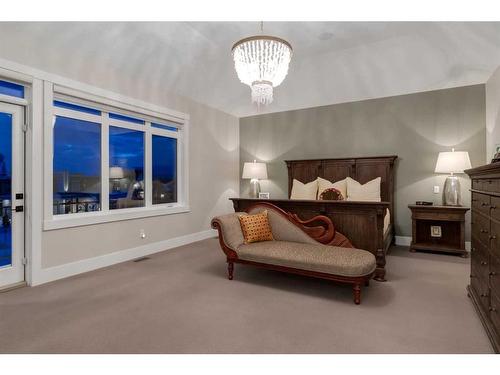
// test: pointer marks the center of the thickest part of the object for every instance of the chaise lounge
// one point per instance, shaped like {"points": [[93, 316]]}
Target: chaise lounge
{"points": [[293, 249]]}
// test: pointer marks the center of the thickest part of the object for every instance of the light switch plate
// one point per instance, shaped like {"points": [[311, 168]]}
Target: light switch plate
{"points": [[436, 189]]}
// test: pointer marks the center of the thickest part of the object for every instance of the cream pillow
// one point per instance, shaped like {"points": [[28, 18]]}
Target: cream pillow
{"points": [[339, 185], [304, 191], [368, 192]]}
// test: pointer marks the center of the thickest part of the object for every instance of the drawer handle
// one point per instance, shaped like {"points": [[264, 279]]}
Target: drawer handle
{"points": [[492, 309], [493, 273], [483, 231], [484, 263], [494, 237], [484, 204], [483, 295]]}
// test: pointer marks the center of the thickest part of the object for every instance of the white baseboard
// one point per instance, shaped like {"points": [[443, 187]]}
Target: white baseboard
{"points": [[70, 269], [406, 241], [402, 240]]}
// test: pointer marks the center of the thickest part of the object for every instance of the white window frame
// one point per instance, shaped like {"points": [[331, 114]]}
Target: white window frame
{"points": [[127, 107]]}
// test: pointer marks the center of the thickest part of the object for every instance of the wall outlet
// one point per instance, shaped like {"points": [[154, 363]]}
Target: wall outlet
{"points": [[143, 234], [436, 189]]}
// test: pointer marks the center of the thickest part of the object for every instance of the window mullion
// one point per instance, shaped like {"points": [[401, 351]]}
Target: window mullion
{"points": [[104, 162], [148, 173]]}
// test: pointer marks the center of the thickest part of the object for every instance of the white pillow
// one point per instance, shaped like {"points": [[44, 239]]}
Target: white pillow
{"points": [[304, 191], [369, 192], [339, 185]]}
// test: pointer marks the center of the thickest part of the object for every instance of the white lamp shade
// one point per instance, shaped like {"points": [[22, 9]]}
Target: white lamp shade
{"points": [[452, 162], [116, 172], [255, 170]]}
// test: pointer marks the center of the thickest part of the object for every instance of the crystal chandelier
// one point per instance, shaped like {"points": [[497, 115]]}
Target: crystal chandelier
{"points": [[261, 62]]}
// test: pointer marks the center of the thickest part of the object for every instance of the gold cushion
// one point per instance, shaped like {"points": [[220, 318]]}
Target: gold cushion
{"points": [[256, 227]]}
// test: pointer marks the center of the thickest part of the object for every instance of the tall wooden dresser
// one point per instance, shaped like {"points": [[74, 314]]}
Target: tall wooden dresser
{"points": [[484, 288]]}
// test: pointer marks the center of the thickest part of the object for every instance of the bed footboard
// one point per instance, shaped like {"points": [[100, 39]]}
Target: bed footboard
{"points": [[361, 222]]}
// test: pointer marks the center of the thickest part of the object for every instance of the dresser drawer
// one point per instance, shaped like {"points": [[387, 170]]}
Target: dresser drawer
{"points": [[481, 202], [477, 184], [491, 185], [494, 238], [494, 310], [480, 269], [481, 228], [486, 185], [478, 248], [495, 275], [482, 291], [495, 208]]}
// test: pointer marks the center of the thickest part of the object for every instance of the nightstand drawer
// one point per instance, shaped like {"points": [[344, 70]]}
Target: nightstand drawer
{"points": [[481, 202]]}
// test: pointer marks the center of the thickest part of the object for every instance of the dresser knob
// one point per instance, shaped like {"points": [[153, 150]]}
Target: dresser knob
{"points": [[492, 309], [493, 273], [493, 237], [484, 204], [483, 231], [483, 295], [484, 263]]}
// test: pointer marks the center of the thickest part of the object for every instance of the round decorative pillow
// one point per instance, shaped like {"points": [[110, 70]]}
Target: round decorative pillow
{"points": [[331, 194]]}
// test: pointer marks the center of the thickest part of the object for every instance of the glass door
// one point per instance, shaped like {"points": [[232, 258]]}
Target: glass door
{"points": [[11, 194]]}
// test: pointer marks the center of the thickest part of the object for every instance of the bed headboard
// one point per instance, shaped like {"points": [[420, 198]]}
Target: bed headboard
{"points": [[361, 169]]}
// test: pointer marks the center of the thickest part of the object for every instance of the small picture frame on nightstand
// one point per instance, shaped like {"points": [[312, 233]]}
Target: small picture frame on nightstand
{"points": [[263, 195]]}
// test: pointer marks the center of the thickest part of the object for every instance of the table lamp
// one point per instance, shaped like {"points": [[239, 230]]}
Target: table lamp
{"points": [[116, 174], [452, 162], [255, 172]]}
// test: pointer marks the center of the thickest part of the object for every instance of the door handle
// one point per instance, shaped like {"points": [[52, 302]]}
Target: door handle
{"points": [[19, 208]]}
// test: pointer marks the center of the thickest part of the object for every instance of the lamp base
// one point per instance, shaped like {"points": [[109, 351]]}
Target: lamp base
{"points": [[451, 191], [254, 188]]}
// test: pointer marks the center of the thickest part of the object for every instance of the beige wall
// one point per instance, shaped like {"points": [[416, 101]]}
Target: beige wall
{"points": [[492, 114], [415, 127], [213, 163]]}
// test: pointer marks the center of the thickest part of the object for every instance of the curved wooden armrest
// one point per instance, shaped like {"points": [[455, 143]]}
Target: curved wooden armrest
{"points": [[319, 228], [323, 233], [230, 253]]}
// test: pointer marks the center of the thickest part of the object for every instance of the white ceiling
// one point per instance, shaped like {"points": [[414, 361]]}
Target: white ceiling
{"points": [[333, 62]]}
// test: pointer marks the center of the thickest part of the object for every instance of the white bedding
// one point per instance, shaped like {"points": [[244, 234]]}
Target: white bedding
{"points": [[387, 220]]}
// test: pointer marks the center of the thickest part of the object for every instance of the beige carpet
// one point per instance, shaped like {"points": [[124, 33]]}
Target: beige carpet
{"points": [[180, 301]]}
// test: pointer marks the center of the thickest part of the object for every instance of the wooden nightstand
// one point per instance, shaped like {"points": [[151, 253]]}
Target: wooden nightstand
{"points": [[448, 221]]}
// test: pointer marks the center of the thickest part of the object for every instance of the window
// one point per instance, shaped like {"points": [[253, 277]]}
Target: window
{"points": [[76, 166], [164, 169], [110, 163], [11, 89], [134, 120], [126, 168]]}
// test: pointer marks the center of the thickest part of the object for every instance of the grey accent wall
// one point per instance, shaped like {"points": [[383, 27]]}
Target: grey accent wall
{"points": [[415, 127], [492, 114]]}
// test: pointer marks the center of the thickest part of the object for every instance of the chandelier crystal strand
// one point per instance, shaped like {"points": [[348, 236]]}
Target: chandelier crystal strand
{"points": [[261, 62]]}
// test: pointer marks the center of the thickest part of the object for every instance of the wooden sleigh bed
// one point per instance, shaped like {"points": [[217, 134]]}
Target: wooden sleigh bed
{"points": [[361, 222]]}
